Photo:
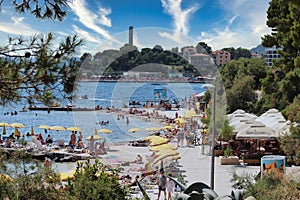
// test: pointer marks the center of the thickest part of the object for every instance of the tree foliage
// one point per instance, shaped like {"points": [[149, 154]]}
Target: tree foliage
{"points": [[22, 178], [32, 68], [271, 187], [238, 53], [284, 20], [45, 9], [92, 181], [202, 47], [29, 179], [115, 62], [241, 80]]}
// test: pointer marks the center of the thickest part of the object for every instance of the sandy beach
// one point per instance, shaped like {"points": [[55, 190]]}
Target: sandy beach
{"points": [[194, 162]]}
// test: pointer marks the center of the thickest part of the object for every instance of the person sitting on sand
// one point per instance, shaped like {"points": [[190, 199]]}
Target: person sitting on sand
{"points": [[73, 139], [101, 148], [138, 159], [80, 144], [49, 140], [41, 139]]}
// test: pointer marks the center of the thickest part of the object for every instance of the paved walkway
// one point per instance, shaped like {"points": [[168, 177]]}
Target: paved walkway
{"points": [[197, 168]]}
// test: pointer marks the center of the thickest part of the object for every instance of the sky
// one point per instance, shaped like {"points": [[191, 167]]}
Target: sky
{"points": [[103, 24]]}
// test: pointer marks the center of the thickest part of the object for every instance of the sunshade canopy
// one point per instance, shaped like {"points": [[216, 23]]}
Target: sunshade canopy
{"points": [[257, 131]]}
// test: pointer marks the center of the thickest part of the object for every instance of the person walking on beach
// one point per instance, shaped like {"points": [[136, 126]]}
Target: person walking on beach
{"points": [[92, 145], [170, 188], [162, 182]]}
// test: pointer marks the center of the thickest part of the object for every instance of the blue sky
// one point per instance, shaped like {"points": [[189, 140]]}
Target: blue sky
{"points": [[220, 23]]}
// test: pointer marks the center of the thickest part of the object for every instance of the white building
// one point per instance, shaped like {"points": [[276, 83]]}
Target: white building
{"points": [[188, 52], [271, 54], [200, 59]]}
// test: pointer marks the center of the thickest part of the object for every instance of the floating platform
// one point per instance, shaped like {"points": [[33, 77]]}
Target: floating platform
{"points": [[60, 109]]}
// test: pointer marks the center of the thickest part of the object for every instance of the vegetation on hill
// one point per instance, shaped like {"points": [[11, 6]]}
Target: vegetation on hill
{"points": [[115, 62]]}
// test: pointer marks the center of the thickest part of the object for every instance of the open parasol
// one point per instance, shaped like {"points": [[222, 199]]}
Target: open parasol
{"points": [[133, 130], [45, 127], [3, 124], [95, 136], [17, 125], [74, 128], [57, 128], [152, 129], [157, 140], [104, 130], [190, 113], [163, 146], [168, 127]]}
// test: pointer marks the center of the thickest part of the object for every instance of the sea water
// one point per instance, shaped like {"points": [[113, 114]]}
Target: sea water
{"points": [[104, 94]]}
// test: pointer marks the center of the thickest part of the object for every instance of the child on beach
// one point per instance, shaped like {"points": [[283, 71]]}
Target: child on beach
{"points": [[170, 188]]}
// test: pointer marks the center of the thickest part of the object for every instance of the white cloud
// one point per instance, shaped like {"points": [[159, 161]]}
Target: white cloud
{"points": [[86, 35], [90, 19], [17, 26], [245, 27], [103, 16], [180, 17]]}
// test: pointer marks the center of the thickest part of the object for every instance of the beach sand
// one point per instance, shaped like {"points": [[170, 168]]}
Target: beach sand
{"points": [[195, 164]]}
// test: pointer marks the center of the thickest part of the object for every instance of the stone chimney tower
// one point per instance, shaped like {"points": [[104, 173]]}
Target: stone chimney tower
{"points": [[130, 35]]}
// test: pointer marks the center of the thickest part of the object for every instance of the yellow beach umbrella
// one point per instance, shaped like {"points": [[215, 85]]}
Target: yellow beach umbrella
{"points": [[168, 127], [180, 120], [95, 137], [165, 157], [17, 125], [133, 130], [189, 114], [57, 128], [3, 124], [64, 176], [157, 140], [45, 127], [167, 152], [152, 129], [74, 128], [104, 130], [163, 146]]}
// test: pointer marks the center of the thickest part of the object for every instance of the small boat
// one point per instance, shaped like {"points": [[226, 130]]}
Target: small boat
{"points": [[134, 103], [159, 83], [24, 109]]}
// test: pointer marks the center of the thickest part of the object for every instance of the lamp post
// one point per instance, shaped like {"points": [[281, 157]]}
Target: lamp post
{"points": [[213, 130]]}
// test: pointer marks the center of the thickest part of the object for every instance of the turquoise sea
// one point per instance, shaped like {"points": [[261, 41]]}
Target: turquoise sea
{"points": [[104, 94]]}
